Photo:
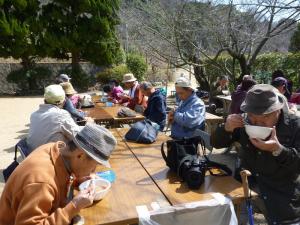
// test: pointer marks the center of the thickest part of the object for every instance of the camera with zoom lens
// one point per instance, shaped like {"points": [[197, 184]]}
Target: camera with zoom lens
{"points": [[192, 171]]}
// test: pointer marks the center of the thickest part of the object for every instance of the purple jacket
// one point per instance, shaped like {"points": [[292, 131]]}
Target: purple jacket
{"points": [[237, 98], [115, 94]]}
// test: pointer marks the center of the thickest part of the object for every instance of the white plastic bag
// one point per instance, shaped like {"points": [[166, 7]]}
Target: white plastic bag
{"points": [[217, 211]]}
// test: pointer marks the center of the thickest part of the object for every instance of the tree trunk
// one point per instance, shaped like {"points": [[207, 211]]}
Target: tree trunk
{"points": [[201, 78], [28, 64], [200, 75], [75, 62], [245, 68]]}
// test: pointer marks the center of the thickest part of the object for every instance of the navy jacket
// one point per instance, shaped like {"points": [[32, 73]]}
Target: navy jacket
{"points": [[156, 109], [76, 115]]}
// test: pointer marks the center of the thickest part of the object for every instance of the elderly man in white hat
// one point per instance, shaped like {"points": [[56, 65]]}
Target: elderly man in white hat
{"points": [[39, 191], [50, 122], [190, 114], [135, 99]]}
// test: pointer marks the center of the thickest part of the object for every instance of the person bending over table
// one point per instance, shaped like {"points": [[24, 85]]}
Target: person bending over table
{"points": [[156, 108], [274, 162], [39, 191], [114, 91], [219, 88], [190, 114], [135, 100], [76, 114], [51, 123]]}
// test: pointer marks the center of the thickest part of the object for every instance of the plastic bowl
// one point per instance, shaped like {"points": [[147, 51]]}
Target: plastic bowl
{"points": [[102, 187], [103, 99], [258, 131]]}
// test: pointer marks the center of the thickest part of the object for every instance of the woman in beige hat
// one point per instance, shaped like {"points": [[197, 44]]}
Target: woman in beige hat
{"points": [[76, 114], [135, 100], [71, 93]]}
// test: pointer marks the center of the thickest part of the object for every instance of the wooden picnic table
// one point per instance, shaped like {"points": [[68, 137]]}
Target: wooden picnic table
{"points": [[169, 183], [212, 121], [226, 99], [132, 187], [142, 178], [109, 115]]}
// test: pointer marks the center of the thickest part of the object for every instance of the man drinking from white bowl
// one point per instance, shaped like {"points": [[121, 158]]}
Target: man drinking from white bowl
{"points": [[39, 191], [274, 161]]}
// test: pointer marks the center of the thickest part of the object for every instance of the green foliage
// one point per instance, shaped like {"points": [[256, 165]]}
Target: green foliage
{"points": [[263, 67], [30, 81], [120, 57], [295, 40], [116, 72], [136, 63], [287, 62], [18, 29], [86, 29]]}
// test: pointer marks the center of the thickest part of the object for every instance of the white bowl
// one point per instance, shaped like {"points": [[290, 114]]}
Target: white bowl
{"points": [[225, 92], [258, 132], [102, 187]]}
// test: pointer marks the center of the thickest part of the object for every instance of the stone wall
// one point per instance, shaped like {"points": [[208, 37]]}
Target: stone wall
{"points": [[10, 88]]}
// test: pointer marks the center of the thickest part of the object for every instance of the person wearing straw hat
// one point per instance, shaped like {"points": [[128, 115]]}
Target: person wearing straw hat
{"points": [[76, 114], [50, 122], [40, 190], [71, 93], [190, 114], [275, 161], [135, 100]]}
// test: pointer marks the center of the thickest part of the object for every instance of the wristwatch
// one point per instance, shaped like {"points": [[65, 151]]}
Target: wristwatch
{"points": [[278, 151]]}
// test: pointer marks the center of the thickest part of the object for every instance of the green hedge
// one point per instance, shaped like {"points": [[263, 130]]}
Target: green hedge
{"points": [[263, 67], [289, 63], [116, 72], [135, 63], [30, 81]]}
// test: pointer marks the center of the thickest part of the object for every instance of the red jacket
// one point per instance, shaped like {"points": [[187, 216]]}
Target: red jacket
{"points": [[138, 99]]}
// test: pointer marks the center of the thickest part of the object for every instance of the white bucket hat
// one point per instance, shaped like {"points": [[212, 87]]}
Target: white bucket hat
{"points": [[64, 77], [128, 77], [96, 141], [54, 94], [183, 82]]}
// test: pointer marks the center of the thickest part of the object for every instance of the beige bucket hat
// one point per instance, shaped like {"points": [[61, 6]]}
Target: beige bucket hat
{"points": [[128, 77], [68, 88]]}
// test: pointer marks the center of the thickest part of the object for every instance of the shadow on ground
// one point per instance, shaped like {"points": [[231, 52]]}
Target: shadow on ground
{"points": [[9, 150]]}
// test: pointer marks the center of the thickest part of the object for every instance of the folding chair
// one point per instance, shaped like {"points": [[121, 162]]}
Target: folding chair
{"points": [[23, 148], [205, 137]]}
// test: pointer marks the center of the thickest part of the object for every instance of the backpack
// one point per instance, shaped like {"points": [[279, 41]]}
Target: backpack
{"points": [[182, 157], [144, 131]]}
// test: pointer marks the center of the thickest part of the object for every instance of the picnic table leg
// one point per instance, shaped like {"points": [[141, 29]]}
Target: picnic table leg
{"points": [[238, 209], [244, 175]]}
